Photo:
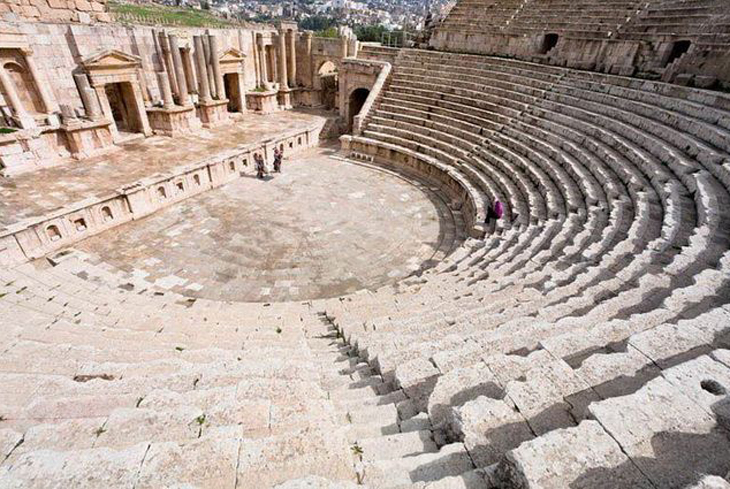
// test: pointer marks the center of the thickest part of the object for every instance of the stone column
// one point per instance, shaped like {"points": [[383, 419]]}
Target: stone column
{"points": [[215, 62], [49, 103], [164, 83], [141, 110], [169, 65], [208, 67], [281, 55], [308, 56], [68, 116], [292, 57], [25, 121], [241, 91], [184, 97], [352, 50], [143, 86], [203, 87], [343, 47], [263, 72], [189, 66], [88, 97], [106, 109], [255, 51]]}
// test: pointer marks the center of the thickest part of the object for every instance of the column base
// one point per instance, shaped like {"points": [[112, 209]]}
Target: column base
{"points": [[25, 121], [284, 97], [174, 121], [262, 102], [213, 113], [88, 138]]}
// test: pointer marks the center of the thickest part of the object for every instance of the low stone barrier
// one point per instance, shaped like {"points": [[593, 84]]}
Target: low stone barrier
{"points": [[455, 185], [34, 238]]}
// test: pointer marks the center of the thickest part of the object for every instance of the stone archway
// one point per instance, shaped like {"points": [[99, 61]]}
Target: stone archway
{"points": [[326, 81], [355, 102], [25, 87]]}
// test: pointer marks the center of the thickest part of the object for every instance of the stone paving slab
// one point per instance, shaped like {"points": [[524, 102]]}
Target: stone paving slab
{"points": [[38, 193], [321, 228]]}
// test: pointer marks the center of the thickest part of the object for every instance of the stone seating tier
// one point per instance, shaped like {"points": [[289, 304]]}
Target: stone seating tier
{"points": [[582, 341], [649, 267]]}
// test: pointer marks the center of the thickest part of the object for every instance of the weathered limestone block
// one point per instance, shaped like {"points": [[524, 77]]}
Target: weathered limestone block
{"points": [[315, 482], [711, 482], [617, 374], [131, 426], [268, 461], [213, 113], [704, 380], [417, 379], [77, 468], [552, 396], [489, 427], [174, 121], [583, 457], [73, 434], [456, 388], [9, 439], [10, 252], [262, 102], [206, 462], [668, 344], [671, 438], [511, 367]]}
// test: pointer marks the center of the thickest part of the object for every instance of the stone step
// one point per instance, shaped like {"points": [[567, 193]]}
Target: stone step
{"points": [[451, 460], [394, 446]]}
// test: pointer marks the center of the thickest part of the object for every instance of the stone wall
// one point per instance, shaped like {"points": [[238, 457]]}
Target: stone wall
{"points": [[34, 238], [83, 11], [59, 48], [638, 40]]}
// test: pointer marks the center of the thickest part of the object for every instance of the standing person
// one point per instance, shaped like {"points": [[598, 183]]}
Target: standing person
{"points": [[494, 213], [498, 209], [259, 166], [277, 160]]}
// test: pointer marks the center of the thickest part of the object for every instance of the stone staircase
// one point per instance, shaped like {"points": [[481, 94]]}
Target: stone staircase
{"points": [[609, 276]]}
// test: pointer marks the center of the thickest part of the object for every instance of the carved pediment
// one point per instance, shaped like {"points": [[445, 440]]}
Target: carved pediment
{"points": [[111, 59], [231, 55]]}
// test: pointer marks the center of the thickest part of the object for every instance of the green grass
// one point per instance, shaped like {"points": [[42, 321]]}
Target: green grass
{"points": [[172, 15]]}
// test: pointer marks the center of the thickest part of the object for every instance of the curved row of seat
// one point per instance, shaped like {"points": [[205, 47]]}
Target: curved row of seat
{"points": [[583, 342], [611, 283], [617, 19]]}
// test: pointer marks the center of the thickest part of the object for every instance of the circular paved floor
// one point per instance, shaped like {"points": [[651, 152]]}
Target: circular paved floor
{"points": [[322, 228]]}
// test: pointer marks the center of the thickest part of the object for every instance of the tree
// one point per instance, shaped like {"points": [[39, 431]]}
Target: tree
{"points": [[317, 23]]}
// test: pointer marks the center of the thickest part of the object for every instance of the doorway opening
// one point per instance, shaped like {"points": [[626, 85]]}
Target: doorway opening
{"points": [[122, 105], [357, 100]]}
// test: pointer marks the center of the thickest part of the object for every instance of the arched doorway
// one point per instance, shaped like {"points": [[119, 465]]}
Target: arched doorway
{"points": [[25, 87], [357, 100], [678, 49], [326, 81], [548, 43]]}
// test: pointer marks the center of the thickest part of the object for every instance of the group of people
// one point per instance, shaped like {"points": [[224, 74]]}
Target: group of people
{"points": [[261, 164]]}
